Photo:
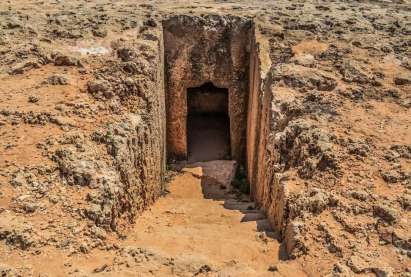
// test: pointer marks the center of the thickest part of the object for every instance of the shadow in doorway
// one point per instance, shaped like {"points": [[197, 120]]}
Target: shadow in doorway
{"points": [[208, 123]]}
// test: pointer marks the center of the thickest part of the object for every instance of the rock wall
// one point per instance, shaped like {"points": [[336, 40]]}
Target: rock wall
{"points": [[278, 142], [265, 186], [133, 87], [282, 145], [257, 105], [204, 49]]}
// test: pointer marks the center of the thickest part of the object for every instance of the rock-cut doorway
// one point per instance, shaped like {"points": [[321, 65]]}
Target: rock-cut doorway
{"points": [[208, 123]]}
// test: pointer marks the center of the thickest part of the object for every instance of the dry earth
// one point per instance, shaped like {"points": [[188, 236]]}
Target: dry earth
{"points": [[83, 186]]}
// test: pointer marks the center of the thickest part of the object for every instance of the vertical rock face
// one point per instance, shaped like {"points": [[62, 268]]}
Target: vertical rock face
{"points": [[136, 140], [206, 49], [258, 104], [140, 160]]}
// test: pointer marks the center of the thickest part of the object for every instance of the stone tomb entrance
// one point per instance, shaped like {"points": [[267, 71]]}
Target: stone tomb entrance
{"points": [[208, 123], [207, 73]]}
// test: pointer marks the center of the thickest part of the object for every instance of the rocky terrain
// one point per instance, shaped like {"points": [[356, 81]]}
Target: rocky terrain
{"points": [[82, 149]]}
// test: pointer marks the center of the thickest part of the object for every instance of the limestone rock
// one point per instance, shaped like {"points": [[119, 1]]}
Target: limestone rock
{"points": [[294, 242], [221, 171]]}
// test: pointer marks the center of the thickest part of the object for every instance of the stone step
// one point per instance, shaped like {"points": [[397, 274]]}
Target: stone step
{"points": [[221, 171], [253, 217], [233, 204]]}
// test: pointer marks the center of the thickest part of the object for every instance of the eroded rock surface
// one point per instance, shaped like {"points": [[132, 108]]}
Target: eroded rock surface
{"points": [[324, 131], [221, 172]]}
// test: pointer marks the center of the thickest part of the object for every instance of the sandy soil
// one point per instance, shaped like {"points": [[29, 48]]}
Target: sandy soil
{"points": [[342, 90], [196, 229]]}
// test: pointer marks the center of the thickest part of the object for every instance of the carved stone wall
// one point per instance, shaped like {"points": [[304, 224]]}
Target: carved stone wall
{"points": [[206, 49]]}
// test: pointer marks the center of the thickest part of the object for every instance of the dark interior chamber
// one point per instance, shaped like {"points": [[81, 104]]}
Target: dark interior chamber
{"points": [[208, 124]]}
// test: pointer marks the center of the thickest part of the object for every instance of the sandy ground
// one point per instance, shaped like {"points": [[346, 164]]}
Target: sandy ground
{"points": [[201, 227], [198, 228], [222, 230]]}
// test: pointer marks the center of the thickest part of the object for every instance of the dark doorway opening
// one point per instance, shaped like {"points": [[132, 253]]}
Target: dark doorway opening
{"points": [[208, 123]]}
